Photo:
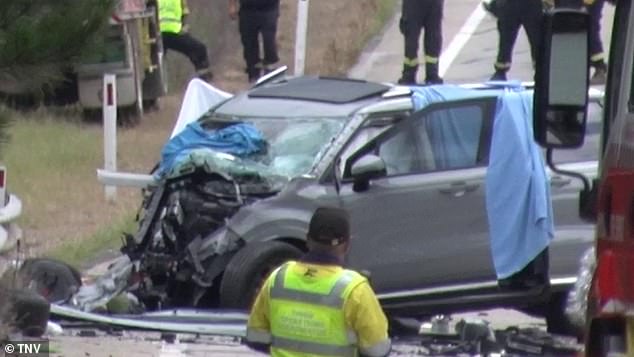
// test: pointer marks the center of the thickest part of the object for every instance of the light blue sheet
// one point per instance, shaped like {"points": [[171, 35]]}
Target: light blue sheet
{"points": [[518, 201], [517, 188]]}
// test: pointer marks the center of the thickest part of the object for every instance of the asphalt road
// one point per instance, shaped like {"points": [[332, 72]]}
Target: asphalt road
{"points": [[469, 50]]}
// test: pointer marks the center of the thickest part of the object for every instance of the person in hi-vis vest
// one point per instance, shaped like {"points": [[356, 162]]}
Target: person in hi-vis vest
{"points": [[175, 33], [315, 307]]}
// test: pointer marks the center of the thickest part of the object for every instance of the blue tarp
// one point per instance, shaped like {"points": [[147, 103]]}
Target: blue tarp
{"points": [[240, 140], [518, 202]]}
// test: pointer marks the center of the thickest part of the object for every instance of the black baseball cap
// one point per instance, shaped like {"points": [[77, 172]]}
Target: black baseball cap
{"points": [[329, 226]]}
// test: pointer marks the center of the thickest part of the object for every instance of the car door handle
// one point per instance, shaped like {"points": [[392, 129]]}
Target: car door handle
{"points": [[559, 181], [458, 189]]}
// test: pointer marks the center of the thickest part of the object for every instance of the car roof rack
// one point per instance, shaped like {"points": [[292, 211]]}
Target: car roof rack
{"points": [[271, 76]]}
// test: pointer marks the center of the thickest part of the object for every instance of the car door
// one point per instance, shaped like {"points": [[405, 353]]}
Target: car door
{"points": [[424, 223]]}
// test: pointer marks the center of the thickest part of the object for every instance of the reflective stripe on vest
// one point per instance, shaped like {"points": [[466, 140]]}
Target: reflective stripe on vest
{"points": [[309, 321], [333, 299], [170, 16], [313, 348]]}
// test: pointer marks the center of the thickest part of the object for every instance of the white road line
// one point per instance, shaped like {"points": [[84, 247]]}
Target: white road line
{"points": [[460, 39]]}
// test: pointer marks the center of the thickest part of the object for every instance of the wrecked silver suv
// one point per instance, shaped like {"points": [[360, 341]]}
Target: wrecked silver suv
{"points": [[215, 221]]}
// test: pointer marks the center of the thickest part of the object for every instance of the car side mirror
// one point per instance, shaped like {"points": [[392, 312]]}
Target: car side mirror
{"points": [[562, 79], [365, 169]]}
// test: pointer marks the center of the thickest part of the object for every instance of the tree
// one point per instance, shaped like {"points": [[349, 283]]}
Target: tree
{"points": [[40, 39]]}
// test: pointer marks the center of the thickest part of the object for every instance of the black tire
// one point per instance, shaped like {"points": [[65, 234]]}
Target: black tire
{"points": [[248, 269], [54, 280], [556, 320], [28, 312]]}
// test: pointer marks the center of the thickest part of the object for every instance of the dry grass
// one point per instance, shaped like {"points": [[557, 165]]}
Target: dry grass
{"points": [[52, 160]]}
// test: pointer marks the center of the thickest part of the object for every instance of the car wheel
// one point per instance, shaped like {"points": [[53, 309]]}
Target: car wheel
{"points": [[27, 311], [556, 320], [249, 268], [54, 280]]}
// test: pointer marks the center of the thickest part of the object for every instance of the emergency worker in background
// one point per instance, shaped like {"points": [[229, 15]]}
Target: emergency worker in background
{"points": [[597, 57], [175, 33], [511, 15], [417, 16], [314, 306], [255, 18]]}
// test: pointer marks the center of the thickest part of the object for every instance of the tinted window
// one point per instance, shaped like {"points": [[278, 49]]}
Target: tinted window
{"points": [[442, 139], [450, 138]]}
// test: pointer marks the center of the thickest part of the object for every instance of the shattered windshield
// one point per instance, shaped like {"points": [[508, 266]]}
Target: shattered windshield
{"points": [[292, 145]]}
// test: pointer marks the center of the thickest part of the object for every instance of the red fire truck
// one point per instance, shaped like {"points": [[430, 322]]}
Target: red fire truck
{"points": [[559, 123]]}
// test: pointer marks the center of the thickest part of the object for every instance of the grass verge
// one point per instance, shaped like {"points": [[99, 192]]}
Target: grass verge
{"points": [[83, 251], [51, 163]]}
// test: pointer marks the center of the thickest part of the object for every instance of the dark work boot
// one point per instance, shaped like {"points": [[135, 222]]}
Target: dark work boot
{"points": [[409, 75], [499, 75], [254, 74], [431, 74]]}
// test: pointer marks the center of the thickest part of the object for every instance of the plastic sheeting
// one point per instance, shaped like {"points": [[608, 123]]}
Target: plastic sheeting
{"points": [[200, 96]]}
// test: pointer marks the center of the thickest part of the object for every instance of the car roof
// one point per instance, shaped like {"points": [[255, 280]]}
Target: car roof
{"points": [[318, 96], [305, 96]]}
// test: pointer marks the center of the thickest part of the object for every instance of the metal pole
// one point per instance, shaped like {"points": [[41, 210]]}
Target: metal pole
{"points": [[110, 130], [300, 36]]}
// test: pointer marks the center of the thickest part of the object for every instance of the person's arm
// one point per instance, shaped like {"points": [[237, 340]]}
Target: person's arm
{"points": [[185, 16], [365, 316], [233, 9], [259, 325]]}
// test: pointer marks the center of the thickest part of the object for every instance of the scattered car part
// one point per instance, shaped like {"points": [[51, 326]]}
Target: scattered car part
{"points": [[29, 312], [53, 329], [53, 279], [97, 294]]}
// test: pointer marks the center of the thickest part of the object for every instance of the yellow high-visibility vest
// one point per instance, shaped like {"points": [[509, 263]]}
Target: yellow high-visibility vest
{"points": [[307, 319], [170, 15]]}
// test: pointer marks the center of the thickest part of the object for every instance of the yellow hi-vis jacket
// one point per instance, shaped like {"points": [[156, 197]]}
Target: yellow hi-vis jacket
{"points": [[318, 310], [171, 14]]}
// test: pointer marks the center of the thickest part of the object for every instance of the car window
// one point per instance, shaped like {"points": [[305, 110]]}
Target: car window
{"points": [[589, 151], [444, 138], [372, 128], [450, 138]]}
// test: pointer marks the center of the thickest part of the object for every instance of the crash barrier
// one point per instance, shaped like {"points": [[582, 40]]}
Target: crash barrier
{"points": [[179, 321], [110, 130]]}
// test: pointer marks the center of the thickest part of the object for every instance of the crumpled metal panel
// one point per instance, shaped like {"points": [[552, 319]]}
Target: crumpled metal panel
{"points": [[112, 283]]}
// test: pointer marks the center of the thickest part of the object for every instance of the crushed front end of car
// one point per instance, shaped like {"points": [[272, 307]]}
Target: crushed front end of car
{"points": [[183, 242]]}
